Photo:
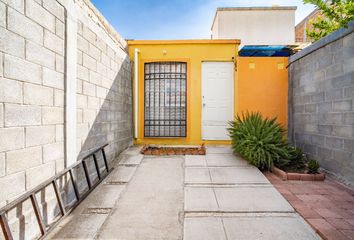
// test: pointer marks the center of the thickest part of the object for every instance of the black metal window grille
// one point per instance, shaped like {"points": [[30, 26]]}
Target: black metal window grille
{"points": [[165, 99]]}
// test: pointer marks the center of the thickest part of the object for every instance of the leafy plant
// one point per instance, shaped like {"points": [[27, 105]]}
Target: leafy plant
{"points": [[259, 140], [295, 162], [334, 15], [313, 166]]}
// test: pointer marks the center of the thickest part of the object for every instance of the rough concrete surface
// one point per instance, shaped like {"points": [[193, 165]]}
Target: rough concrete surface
{"points": [[105, 197], [182, 197], [122, 174], [195, 161], [247, 228], [224, 160], [228, 199], [237, 176], [152, 204]]}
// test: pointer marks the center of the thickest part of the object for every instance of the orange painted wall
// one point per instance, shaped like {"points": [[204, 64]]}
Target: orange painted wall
{"points": [[263, 86]]}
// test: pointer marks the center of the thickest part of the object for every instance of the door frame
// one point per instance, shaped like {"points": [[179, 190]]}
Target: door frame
{"points": [[234, 84]]}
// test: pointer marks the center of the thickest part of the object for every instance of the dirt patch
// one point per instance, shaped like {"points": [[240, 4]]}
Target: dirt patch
{"points": [[154, 150]]}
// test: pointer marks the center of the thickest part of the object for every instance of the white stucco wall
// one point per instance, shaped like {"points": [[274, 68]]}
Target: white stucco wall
{"points": [[256, 26]]}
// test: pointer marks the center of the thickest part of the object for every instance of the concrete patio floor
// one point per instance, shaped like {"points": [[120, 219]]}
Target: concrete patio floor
{"points": [[216, 196]]}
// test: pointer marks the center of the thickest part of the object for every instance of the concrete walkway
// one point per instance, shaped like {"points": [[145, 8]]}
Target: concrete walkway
{"points": [[216, 196]]}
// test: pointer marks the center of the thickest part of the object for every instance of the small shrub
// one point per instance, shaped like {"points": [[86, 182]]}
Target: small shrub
{"points": [[259, 140], [295, 162], [313, 166]]}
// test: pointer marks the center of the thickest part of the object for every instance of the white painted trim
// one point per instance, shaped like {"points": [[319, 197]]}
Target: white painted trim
{"points": [[70, 85], [136, 80]]}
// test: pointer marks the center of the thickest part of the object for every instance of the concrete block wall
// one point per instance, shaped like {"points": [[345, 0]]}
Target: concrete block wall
{"points": [[321, 85], [104, 94], [65, 88], [31, 94]]}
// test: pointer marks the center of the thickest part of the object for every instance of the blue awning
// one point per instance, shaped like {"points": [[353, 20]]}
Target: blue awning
{"points": [[265, 51]]}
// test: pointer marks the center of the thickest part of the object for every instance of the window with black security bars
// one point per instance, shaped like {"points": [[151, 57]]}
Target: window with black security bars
{"points": [[165, 99]]}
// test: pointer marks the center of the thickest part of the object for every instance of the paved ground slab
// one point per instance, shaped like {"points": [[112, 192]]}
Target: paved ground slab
{"points": [[133, 150], [251, 199], [122, 174], [128, 159], [198, 199], [205, 228], [151, 205], [235, 199], [224, 175], [79, 226], [197, 176], [225, 160], [237, 176], [217, 196], [275, 228], [248, 228], [195, 161], [105, 197]]}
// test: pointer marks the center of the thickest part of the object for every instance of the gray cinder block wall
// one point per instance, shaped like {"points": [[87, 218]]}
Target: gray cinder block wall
{"points": [[65, 87], [321, 102], [32, 85]]}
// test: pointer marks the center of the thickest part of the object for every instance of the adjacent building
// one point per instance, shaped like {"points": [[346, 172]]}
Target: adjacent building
{"points": [[300, 28], [255, 25]]}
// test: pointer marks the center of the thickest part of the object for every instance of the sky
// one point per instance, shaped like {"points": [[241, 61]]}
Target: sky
{"points": [[177, 19]]}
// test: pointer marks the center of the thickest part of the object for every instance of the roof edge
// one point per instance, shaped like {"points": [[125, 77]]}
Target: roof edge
{"points": [[256, 8], [212, 25], [184, 41]]}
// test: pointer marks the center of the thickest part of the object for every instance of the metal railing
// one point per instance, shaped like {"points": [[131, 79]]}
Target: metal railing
{"points": [[53, 181]]}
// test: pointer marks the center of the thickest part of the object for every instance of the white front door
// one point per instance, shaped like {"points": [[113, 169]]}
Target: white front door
{"points": [[217, 99]]}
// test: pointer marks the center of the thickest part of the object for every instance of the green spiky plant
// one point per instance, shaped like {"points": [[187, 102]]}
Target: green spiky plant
{"points": [[259, 140], [296, 161], [313, 166]]}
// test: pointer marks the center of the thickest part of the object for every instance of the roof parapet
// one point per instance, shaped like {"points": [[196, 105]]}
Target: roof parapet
{"points": [[272, 8], [256, 8], [184, 41]]}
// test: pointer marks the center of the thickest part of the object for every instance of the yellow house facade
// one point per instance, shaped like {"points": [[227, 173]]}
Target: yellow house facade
{"points": [[186, 91], [176, 68]]}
